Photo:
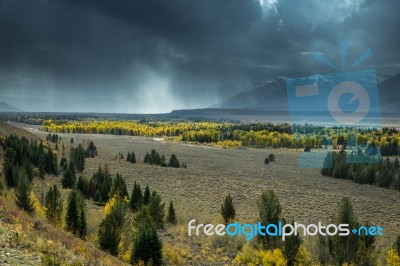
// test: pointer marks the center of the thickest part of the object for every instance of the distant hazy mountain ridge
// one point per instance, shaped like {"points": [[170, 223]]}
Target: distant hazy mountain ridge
{"points": [[272, 95], [5, 107]]}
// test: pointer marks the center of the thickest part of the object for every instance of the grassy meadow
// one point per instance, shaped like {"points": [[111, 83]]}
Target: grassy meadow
{"points": [[212, 173]]}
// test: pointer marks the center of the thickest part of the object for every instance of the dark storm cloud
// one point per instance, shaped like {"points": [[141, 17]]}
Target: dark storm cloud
{"points": [[152, 56]]}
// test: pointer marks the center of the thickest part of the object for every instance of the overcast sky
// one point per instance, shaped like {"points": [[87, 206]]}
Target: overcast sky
{"points": [[155, 55]]}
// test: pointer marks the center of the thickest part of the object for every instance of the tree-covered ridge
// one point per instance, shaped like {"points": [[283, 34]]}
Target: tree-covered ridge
{"points": [[33, 157], [259, 135]]}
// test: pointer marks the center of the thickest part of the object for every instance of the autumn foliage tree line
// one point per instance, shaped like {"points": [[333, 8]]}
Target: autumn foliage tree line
{"points": [[259, 135]]}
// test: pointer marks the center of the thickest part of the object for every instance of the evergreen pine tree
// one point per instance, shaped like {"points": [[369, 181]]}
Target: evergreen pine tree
{"points": [[291, 248], [344, 248], [156, 209], [72, 216], [146, 196], [71, 166], [8, 166], [133, 158], [270, 212], [110, 228], [143, 218], [23, 193], [146, 158], [109, 236], [91, 150], [147, 248], [173, 161], [63, 164], [327, 166], [83, 185], [77, 156], [68, 179], [136, 200], [163, 161], [157, 159], [171, 218], [152, 156], [54, 205], [119, 186], [271, 157], [227, 210]]}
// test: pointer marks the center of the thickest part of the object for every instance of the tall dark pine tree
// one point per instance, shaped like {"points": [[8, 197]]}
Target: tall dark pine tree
{"points": [[171, 218], [110, 228], [147, 247], [71, 166], [345, 247], [163, 163], [8, 165], [156, 209], [68, 179], [270, 212], [72, 216], [84, 185], [119, 186], [23, 193], [91, 151], [133, 158], [291, 247], [50, 162], [54, 205], [173, 161], [146, 195], [228, 210], [77, 156], [146, 158], [136, 198], [63, 164], [109, 236]]}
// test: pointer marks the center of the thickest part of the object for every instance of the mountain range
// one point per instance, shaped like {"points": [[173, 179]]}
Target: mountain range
{"points": [[271, 95], [7, 108]]}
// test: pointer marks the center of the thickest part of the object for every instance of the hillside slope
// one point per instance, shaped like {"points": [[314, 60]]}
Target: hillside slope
{"points": [[31, 240], [27, 240], [7, 129]]}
